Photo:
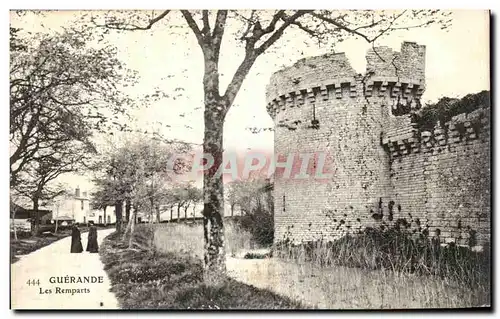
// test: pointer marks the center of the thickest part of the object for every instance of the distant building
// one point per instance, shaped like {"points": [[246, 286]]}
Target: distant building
{"points": [[78, 208], [25, 218]]}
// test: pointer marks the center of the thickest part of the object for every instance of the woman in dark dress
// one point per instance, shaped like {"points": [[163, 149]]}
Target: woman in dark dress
{"points": [[92, 245], [76, 240]]}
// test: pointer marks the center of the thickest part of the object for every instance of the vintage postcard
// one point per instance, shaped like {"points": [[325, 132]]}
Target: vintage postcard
{"points": [[250, 159]]}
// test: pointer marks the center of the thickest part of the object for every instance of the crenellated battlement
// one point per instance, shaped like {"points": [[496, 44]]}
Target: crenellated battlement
{"points": [[461, 128], [331, 77]]}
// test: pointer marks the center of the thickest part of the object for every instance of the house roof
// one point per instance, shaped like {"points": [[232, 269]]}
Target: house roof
{"points": [[17, 208], [64, 218]]}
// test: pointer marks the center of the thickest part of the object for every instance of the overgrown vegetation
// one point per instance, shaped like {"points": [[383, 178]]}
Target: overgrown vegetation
{"points": [[398, 250], [145, 278], [446, 108], [260, 223], [255, 200]]}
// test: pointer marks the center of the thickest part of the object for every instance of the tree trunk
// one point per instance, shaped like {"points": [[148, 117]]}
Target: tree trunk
{"points": [[158, 217], [36, 224], [128, 205], [178, 213], [132, 224], [105, 221], [216, 108], [171, 214], [119, 215], [14, 223], [232, 210], [213, 209], [186, 212], [129, 226]]}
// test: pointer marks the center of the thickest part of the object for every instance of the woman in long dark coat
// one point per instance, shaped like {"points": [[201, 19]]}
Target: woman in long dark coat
{"points": [[92, 245], [76, 240]]}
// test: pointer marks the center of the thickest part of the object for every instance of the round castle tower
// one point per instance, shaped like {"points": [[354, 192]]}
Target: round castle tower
{"points": [[321, 106]]}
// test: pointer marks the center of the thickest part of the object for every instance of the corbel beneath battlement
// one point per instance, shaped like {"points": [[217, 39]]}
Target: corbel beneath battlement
{"points": [[403, 147], [338, 90], [300, 98], [396, 89], [427, 140], [290, 100], [311, 96], [393, 149], [439, 136], [420, 90], [414, 143], [383, 88], [454, 135], [324, 93], [469, 129], [352, 89], [275, 106], [408, 90], [369, 88], [281, 103]]}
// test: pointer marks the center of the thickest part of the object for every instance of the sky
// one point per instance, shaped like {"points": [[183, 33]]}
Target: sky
{"points": [[457, 63]]}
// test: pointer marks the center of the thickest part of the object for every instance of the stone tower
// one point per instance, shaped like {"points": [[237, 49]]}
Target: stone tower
{"points": [[320, 105]]}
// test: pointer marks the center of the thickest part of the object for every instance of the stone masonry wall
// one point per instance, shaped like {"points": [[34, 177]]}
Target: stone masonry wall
{"points": [[383, 168], [441, 179]]}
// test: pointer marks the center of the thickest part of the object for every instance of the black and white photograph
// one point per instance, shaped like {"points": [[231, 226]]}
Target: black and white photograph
{"points": [[259, 159]]}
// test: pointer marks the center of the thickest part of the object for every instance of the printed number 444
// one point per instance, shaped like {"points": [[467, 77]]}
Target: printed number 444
{"points": [[33, 282]]}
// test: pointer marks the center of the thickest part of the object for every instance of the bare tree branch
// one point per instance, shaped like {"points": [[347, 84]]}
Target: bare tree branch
{"points": [[218, 33], [278, 33], [194, 27], [132, 27], [206, 24], [250, 22], [305, 29], [340, 25]]}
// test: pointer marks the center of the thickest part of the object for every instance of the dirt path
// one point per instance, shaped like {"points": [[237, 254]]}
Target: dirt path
{"points": [[55, 261]]}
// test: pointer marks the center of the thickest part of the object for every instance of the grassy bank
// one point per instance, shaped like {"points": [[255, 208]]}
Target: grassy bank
{"points": [[146, 278]]}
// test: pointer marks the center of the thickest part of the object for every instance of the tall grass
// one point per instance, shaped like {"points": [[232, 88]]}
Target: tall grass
{"points": [[397, 251], [408, 268], [188, 238], [373, 270], [338, 287]]}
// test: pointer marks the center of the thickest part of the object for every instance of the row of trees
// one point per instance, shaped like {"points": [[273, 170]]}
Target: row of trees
{"points": [[247, 195], [138, 176]]}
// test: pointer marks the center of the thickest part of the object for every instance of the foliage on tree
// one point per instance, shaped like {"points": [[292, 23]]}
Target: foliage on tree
{"points": [[245, 194], [61, 91], [254, 199], [137, 172], [444, 109], [37, 180]]}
